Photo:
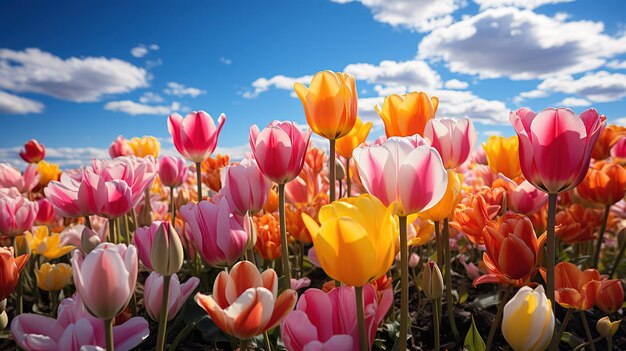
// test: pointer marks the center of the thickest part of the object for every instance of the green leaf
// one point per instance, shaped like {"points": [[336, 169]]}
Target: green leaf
{"points": [[473, 341]]}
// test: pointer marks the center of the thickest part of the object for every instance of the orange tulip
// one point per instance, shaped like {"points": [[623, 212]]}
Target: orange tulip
{"points": [[605, 183], [211, 170], [503, 155], [472, 215], [610, 295], [271, 205], [330, 103], [512, 251], [609, 137], [295, 224], [245, 302], [574, 288], [577, 224], [10, 269], [268, 243], [356, 137], [407, 114]]}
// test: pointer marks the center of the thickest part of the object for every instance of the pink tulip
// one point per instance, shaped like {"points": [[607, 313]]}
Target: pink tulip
{"points": [[329, 321], [218, 235], [74, 330], [172, 171], [524, 198], [46, 215], [555, 145], [405, 170], [245, 187], [143, 239], [453, 139], [33, 151], [63, 194], [153, 295], [280, 150], [137, 172], [17, 215], [120, 147], [106, 278], [297, 284], [195, 136], [10, 177], [619, 149]]}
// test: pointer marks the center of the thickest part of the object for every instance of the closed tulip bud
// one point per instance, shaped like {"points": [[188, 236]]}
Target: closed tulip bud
{"points": [[53, 277], [340, 172], [503, 155], [89, 240], [167, 251], [21, 245], [528, 321], [195, 136], [605, 327], [250, 228], [407, 114], [453, 139], [172, 171], [3, 306], [432, 281], [414, 260], [4, 320], [610, 295], [33, 152]]}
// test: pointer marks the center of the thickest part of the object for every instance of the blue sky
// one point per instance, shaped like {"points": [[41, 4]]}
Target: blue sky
{"points": [[74, 75]]}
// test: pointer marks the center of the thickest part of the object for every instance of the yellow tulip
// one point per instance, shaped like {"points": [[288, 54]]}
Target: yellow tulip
{"points": [[355, 242], [41, 243], [445, 207], [407, 114], [528, 321], [330, 103], [607, 328], [356, 137], [420, 231], [47, 172], [145, 146], [503, 155], [53, 277]]}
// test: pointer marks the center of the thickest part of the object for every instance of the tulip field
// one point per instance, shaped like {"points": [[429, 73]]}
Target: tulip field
{"points": [[423, 239]]}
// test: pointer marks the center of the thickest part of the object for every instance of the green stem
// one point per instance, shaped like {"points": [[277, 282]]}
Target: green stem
{"points": [[448, 275], [108, 334], [243, 344], [54, 302], [268, 343], [438, 244], [173, 206], [596, 255], [587, 330], [551, 260], [566, 319], [331, 170], [199, 179], [283, 235], [363, 343], [436, 322], [301, 259], [609, 343], [126, 230], [404, 283], [348, 180], [164, 310], [112, 237], [19, 300], [87, 222], [496, 322]]}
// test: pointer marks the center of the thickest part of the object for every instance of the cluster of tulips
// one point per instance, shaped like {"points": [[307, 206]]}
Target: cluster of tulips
{"points": [[95, 252]]}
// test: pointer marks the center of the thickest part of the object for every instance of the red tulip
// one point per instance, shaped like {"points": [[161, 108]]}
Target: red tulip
{"points": [[10, 269], [33, 151], [610, 295], [195, 136], [574, 288], [46, 214], [453, 139], [472, 215]]}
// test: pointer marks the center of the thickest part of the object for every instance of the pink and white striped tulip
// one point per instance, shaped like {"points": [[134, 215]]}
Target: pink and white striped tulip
{"points": [[453, 139], [280, 150], [179, 293], [555, 145], [245, 187], [172, 171], [405, 170], [106, 278], [137, 172], [195, 136], [17, 215]]}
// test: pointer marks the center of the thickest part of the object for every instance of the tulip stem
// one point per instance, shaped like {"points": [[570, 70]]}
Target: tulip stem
{"points": [[596, 255], [164, 310], [498, 319], [108, 334], [19, 301], [268, 344], [173, 206], [112, 238], [199, 180], [439, 249], [587, 330], [551, 261], [618, 258], [404, 283], [348, 180], [363, 343], [436, 322], [87, 222], [566, 319], [609, 343], [283, 235], [448, 273], [331, 170]]}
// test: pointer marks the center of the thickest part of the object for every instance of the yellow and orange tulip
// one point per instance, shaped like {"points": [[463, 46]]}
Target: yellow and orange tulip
{"points": [[47, 173], [147, 145], [503, 155], [445, 207], [53, 277], [45, 244], [609, 137], [407, 114], [354, 138]]}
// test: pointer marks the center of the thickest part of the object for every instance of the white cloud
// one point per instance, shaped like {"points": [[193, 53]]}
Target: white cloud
{"points": [[616, 64], [456, 84], [521, 44], [574, 102], [83, 79], [178, 89], [13, 104], [262, 84], [142, 50], [225, 60], [526, 4], [135, 108], [491, 132], [391, 73], [459, 104], [620, 121], [66, 157], [150, 97], [420, 15], [599, 86]]}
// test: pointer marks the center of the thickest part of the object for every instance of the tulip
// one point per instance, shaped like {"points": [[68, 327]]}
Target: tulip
{"points": [[137, 173], [33, 151], [575, 288], [328, 319], [10, 269], [18, 215], [153, 292], [453, 139], [420, 231], [407, 114], [472, 215], [245, 303], [531, 312], [46, 215], [245, 187], [45, 244], [166, 253], [445, 207], [608, 138], [47, 173], [308, 187], [610, 295], [53, 277], [618, 151], [63, 195], [607, 328], [432, 282], [503, 155], [347, 144], [120, 147], [74, 330], [576, 224], [10, 177], [218, 235], [268, 243], [172, 171], [212, 169], [524, 198], [89, 240], [145, 146]]}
